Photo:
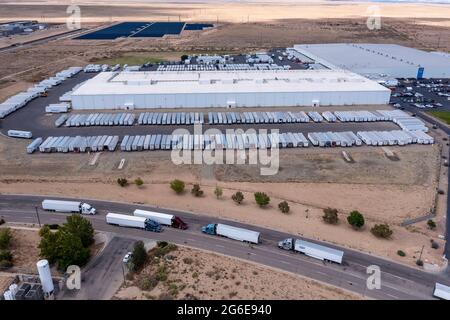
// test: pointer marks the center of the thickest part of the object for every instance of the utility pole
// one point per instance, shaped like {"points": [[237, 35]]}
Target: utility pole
{"points": [[37, 214], [421, 251]]}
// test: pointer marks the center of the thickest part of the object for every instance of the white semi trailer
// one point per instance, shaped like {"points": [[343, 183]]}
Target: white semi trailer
{"points": [[231, 232], [161, 218], [68, 206], [313, 250], [124, 220]]}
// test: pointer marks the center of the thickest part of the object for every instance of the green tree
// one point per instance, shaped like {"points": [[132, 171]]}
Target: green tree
{"points": [[184, 57], [177, 186], [284, 207], [431, 224], [381, 231], [49, 244], [139, 257], [355, 219], [330, 216], [71, 250], [5, 238], [197, 191], [238, 197], [122, 182], [218, 192], [262, 199], [80, 227], [139, 182]]}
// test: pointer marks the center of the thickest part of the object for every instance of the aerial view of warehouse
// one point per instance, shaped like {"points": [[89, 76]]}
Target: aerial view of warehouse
{"points": [[187, 152]]}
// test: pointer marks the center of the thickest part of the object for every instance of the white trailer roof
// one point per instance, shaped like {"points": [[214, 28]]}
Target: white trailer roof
{"points": [[125, 216]]}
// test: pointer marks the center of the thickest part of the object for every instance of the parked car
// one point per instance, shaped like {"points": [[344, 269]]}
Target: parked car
{"points": [[127, 257]]}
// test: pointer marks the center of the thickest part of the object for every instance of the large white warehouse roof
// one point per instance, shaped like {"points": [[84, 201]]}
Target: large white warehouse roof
{"points": [[375, 59], [111, 90]]}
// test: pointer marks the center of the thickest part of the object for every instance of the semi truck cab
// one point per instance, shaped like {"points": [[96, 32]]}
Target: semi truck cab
{"points": [[87, 209], [286, 244], [178, 223], [151, 225], [209, 229]]}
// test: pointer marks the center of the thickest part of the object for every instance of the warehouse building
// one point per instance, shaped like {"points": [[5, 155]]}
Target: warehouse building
{"points": [[379, 60], [142, 90]]}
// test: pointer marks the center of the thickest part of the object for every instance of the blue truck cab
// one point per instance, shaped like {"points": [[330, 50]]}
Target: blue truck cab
{"points": [[209, 229], [151, 225]]}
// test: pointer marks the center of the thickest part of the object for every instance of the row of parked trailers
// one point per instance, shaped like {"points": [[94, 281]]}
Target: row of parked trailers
{"points": [[213, 141], [21, 99], [79, 144], [100, 119], [232, 141], [395, 137], [404, 120], [172, 118]]}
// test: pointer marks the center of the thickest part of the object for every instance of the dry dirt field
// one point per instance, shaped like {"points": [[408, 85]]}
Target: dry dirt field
{"points": [[310, 180], [24, 249], [194, 274]]}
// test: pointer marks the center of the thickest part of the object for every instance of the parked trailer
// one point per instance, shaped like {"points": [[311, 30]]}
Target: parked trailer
{"points": [[124, 220], [68, 206], [231, 232], [33, 146], [162, 218], [313, 250], [20, 134]]}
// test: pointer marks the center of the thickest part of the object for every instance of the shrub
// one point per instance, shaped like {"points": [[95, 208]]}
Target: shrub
{"points": [[401, 253], [5, 264], [284, 207], [177, 186], [218, 192], [139, 256], [139, 182], [381, 231], [238, 197], [188, 260], [122, 182], [262, 199], [147, 284], [53, 226], [330, 216], [5, 238], [6, 255], [2, 221], [440, 191], [434, 244], [431, 224], [355, 219], [197, 191], [161, 273], [184, 57], [419, 262]]}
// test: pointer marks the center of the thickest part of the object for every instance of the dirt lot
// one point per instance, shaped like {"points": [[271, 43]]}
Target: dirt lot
{"points": [[24, 250], [197, 274]]}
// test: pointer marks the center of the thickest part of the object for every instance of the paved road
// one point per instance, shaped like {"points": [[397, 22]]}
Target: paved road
{"points": [[398, 281], [102, 277]]}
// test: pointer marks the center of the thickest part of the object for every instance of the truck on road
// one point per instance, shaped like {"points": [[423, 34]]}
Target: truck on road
{"points": [[231, 232], [312, 249], [68, 206], [124, 220], [162, 218]]}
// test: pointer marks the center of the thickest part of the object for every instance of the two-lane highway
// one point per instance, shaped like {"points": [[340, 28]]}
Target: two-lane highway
{"points": [[397, 281]]}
